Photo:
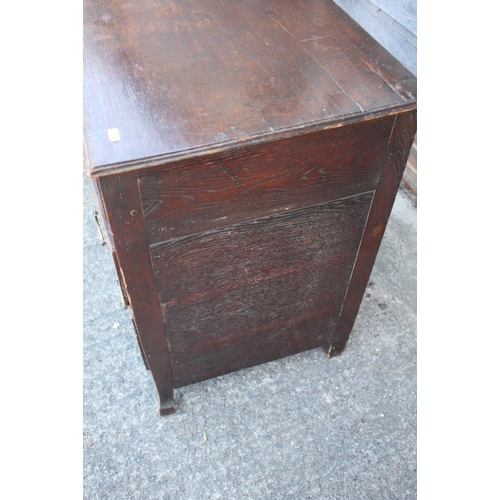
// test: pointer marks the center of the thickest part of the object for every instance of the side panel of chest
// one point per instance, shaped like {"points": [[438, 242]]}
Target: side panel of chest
{"points": [[256, 291], [252, 250]]}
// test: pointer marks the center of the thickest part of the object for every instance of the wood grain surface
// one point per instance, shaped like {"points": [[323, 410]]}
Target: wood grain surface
{"points": [[401, 140], [193, 196], [259, 149], [181, 78], [258, 290], [121, 200]]}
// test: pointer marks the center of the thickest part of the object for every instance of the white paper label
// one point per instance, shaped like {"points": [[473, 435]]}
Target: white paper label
{"points": [[113, 134]]}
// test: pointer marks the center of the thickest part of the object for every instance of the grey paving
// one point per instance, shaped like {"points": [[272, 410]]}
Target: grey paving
{"points": [[304, 427]]}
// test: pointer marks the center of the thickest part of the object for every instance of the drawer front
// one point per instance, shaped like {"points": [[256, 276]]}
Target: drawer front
{"points": [[256, 291], [227, 188], [105, 235]]}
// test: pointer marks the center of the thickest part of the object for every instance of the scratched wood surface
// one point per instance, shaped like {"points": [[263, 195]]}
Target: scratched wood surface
{"points": [[189, 197], [122, 206], [261, 146], [397, 155], [182, 78], [258, 290]]}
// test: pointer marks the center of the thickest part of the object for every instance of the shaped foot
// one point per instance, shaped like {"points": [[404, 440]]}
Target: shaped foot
{"points": [[334, 350], [167, 407]]}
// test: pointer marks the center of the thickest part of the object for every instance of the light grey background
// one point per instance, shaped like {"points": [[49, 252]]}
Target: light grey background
{"points": [[393, 23]]}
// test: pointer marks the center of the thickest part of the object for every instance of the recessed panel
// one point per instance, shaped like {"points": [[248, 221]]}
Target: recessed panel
{"points": [[256, 291]]}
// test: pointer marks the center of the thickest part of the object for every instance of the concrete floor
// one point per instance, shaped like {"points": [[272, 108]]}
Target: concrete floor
{"points": [[304, 427]]}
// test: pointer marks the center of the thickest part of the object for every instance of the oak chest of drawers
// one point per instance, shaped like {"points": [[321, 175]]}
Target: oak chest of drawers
{"points": [[245, 158]]}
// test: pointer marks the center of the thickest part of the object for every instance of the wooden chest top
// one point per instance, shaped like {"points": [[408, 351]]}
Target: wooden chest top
{"points": [[180, 79]]}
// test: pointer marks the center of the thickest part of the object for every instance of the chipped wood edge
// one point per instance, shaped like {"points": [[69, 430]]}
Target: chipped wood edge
{"points": [[242, 142]]}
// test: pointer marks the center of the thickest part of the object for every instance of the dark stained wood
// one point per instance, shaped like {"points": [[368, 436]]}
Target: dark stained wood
{"points": [[256, 291], [194, 196], [261, 147], [121, 284], [183, 78], [365, 71], [108, 240], [122, 206], [385, 194], [144, 358]]}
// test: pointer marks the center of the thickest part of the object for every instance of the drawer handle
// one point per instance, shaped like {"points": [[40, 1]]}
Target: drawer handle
{"points": [[99, 230]]}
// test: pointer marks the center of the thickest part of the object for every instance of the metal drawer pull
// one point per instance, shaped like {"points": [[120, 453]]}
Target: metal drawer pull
{"points": [[99, 230]]}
